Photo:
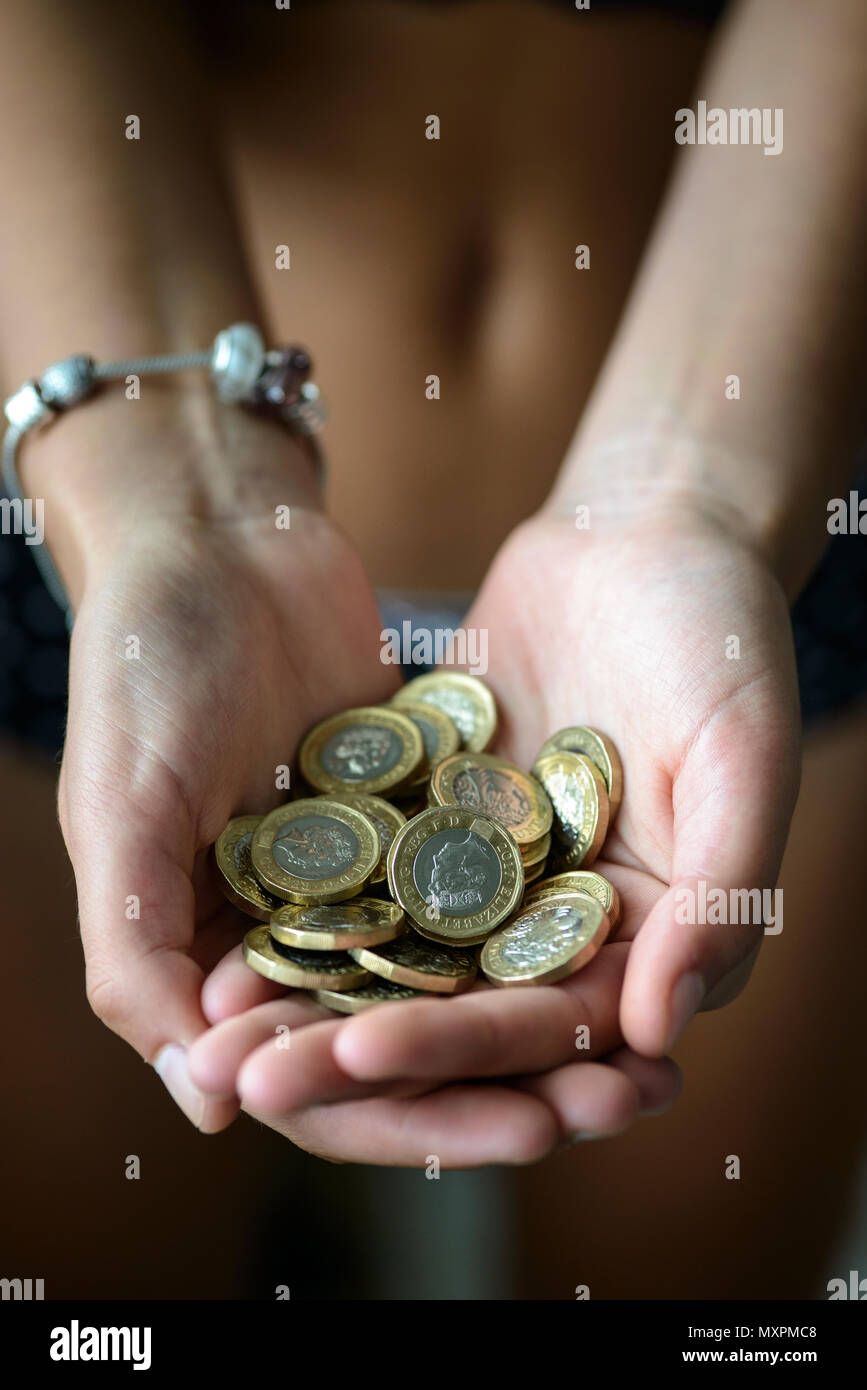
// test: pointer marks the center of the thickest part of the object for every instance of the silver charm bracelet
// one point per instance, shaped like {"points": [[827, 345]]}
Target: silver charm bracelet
{"points": [[243, 372]]}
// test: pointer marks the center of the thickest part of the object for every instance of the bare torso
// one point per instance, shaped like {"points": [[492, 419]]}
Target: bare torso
{"points": [[412, 257]]}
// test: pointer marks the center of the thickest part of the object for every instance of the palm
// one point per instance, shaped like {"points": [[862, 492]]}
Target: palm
{"points": [[631, 632], [195, 666]]}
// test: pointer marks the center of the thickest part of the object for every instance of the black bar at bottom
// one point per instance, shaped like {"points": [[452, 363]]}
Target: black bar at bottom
{"points": [[66, 1338]]}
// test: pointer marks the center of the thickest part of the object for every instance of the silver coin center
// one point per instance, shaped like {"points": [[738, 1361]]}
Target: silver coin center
{"points": [[541, 935], [457, 872], [361, 752], [315, 846], [456, 705]]}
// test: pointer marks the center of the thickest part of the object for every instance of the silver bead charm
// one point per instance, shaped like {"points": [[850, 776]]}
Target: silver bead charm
{"points": [[65, 383], [237, 361], [26, 409]]}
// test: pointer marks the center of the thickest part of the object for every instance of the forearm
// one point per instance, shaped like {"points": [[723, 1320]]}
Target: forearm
{"points": [[117, 248], [758, 269]]}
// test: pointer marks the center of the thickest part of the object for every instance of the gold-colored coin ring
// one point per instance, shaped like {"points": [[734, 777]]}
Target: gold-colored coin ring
{"points": [[385, 817], [238, 883], [333, 888], [448, 739], [367, 997], [593, 933], [337, 926], [534, 872], [535, 821], [465, 699], [581, 881], [555, 771], [601, 751], [396, 774], [335, 970], [535, 853], [429, 920], [412, 961]]}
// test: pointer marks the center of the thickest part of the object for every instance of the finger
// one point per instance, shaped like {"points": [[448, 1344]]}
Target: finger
{"points": [[209, 1114], [658, 1080], [216, 1057], [140, 980], [589, 1099], [132, 842], [458, 1126], [733, 799], [593, 1100], [492, 1032], [232, 988], [273, 1080]]}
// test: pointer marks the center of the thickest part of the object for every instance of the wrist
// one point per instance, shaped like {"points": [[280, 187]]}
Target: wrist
{"points": [[665, 477], [112, 465]]}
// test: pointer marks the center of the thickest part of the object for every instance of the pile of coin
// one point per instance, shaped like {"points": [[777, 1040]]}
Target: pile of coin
{"points": [[411, 859]]}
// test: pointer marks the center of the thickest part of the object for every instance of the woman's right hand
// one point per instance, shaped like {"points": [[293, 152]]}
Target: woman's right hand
{"points": [[206, 640]]}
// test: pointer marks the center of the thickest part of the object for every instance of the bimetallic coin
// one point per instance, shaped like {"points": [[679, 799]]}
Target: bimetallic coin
{"points": [[546, 941], [301, 969], [376, 992], [237, 879], [456, 874], [387, 819], [601, 751], [580, 881], [412, 961], [315, 851], [372, 749], [497, 788], [580, 801], [439, 734], [337, 926], [465, 699]]}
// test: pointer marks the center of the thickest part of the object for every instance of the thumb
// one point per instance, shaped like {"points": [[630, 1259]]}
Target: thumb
{"points": [[733, 799], [137, 917]]}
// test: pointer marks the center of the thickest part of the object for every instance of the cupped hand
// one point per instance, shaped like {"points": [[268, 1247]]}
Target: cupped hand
{"points": [[671, 635], [200, 653]]}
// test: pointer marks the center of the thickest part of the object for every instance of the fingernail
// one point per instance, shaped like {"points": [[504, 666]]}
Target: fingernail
{"points": [[685, 999], [579, 1137], [170, 1065]]}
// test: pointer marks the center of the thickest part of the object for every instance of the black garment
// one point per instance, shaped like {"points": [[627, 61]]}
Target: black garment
{"points": [[829, 622]]}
